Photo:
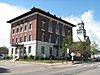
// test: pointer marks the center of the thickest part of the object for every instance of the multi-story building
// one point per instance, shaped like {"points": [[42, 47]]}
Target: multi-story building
{"points": [[40, 32]]}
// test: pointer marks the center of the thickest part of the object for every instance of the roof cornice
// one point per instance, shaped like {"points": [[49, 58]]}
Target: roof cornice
{"points": [[33, 10]]}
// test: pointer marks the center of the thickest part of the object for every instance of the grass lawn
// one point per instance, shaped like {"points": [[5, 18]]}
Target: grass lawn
{"points": [[43, 61]]}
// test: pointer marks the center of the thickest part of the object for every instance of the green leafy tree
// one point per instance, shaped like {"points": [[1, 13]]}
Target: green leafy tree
{"points": [[94, 47], [3, 48], [67, 42]]}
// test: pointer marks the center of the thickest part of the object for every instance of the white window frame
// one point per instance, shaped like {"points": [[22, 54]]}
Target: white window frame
{"points": [[42, 37], [30, 23], [50, 37], [42, 50], [14, 31], [20, 28], [50, 26], [57, 28], [63, 30], [43, 26], [30, 37]]}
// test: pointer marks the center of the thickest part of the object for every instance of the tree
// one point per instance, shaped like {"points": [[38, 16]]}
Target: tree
{"points": [[3, 48], [94, 47], [67, 42]]}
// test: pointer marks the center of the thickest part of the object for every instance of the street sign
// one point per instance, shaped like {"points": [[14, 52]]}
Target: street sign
{"points": [[72, 54]]}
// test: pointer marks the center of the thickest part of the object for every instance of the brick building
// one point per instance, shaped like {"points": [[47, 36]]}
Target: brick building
{"points": [[40, 32]]}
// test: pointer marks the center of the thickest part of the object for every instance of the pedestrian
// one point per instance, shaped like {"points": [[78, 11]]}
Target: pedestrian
{"points": [[51, 57]]}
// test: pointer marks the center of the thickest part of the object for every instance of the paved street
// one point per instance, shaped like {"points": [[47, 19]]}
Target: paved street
{"points": [[29, 68]]}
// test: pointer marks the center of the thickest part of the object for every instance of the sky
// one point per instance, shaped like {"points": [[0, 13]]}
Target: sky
{"points": [[70, 10]]}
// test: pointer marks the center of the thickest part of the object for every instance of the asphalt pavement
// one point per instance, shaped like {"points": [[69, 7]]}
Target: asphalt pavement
{"points": [[31, 68]]}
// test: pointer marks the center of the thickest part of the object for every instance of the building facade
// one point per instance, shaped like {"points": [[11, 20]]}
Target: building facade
{"points": [[40, 32]]}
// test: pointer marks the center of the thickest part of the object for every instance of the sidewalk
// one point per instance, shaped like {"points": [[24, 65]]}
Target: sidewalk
{"points": [[64, 64]]}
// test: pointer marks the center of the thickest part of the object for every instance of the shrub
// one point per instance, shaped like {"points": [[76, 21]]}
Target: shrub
{"points": [[7, 57], [24, 57], [38, 57], [31, 57]]}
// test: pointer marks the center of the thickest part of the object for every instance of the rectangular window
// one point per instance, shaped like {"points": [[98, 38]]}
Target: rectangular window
{"points": [[21, 29], [21, 39], [17, 30], [50, 26], [12, 41], [42, 25], [25, 38], [12, 51], [69, 30], [29, 49], [30, 37], [50, 49], [63, 30], [42, 37], [16, 40], [15, 50], [24, 50], [57, 52], [30, 25], [57, 28], [25, 27], [42, 49], [13, 31], [50, 37], [57, 40]]}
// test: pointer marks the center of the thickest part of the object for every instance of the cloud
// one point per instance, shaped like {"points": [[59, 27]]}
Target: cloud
{"points": [[92, 26], [7, 12]]}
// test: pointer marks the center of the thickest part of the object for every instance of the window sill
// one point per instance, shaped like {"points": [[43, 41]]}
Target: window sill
{"points": [[42, 29]]}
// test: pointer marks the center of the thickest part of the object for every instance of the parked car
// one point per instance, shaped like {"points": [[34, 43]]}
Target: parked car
{"points": [[1, 56], [96, 59]]}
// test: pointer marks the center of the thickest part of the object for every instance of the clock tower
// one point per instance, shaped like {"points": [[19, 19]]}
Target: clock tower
{"points": [[81, 32]]}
